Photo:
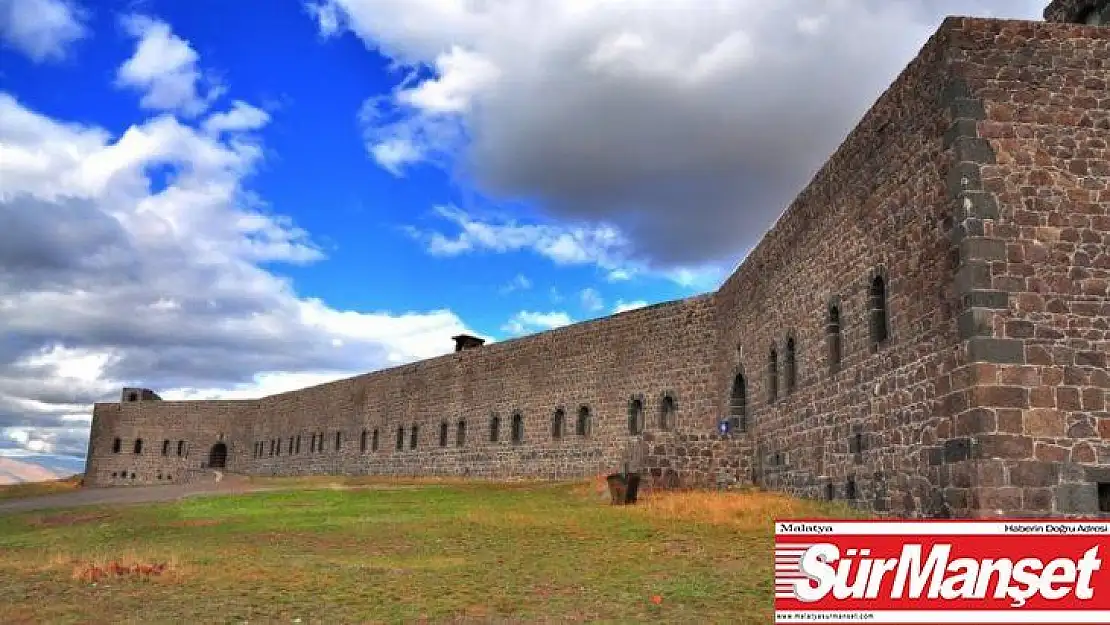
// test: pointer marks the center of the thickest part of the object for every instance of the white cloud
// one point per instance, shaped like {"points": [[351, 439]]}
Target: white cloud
{"points": [[241, 117], [563, 244], [697, 278], [591, 300], [623, 306], [394, 154], [87, 235], [525, 322], [520, 282], [327, 17], [41, 29], [428, 126], [460, 75], [263, 384], [164, 67], [57, 363], [663, 121]]}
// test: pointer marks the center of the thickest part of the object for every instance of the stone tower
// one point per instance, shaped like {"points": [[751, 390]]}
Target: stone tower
{"points": [[1091, 12]]}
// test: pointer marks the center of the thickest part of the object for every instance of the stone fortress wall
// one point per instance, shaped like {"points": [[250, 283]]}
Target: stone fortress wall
{"points": [[924, 332], [592, 374]]}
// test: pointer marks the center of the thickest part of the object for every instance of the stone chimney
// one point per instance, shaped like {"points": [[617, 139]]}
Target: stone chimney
{"points": [[138, 394], [1090, 12], [465, 341]]}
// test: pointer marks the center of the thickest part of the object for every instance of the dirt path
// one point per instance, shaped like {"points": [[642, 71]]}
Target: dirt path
{"points": [[123, 495]]}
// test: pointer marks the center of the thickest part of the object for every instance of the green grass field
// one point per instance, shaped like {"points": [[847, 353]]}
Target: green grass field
{"points": [[358, 551]]}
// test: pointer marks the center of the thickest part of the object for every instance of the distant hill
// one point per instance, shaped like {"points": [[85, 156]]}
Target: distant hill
{"points": [[38, 468]]}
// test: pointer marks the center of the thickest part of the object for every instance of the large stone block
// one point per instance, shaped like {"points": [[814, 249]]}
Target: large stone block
{"points": [[1077, 498], [1005, 446], [1034, 474], [1044, 423]]}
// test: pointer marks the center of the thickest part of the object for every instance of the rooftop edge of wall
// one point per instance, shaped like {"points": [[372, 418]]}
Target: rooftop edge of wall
{"points": [[174, 402], [500, 346]]}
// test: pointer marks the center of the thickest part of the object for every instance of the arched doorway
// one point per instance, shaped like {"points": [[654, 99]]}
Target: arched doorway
{"points": [[217, 458]]}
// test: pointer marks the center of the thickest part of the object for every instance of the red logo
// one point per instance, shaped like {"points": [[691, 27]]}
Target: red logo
{"points": [[942, 571]]}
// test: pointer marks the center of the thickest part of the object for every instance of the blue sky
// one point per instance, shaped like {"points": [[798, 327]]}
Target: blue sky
{"points": [[234, 198], [317, 171]]}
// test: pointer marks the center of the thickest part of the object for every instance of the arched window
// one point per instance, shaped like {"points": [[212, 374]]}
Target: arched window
{"points": [[738, 404], [879, 315], [138, 445], [374, 441], [298, 450], [116, 444], [494, 429], [460, 433], [413, 435], [180, 448], [773, 375], [791, 365], [635, 416], [832, 334], [666, 413], [338, 440], [166, 447], [582, 426], [277, 446], [518, 428], [400, 438], [362, 442], [558, 423], [443, 434]]}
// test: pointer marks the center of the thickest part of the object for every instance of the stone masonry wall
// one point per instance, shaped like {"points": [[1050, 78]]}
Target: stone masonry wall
{"points": [[676, 460], [868, 428], [1035, 421], [176, 438], [644, 355]]}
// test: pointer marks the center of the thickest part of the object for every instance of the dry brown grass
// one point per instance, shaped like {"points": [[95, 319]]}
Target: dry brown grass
{"points": [[33, 489], [745, 510], [126, 566], [752, 510]]}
